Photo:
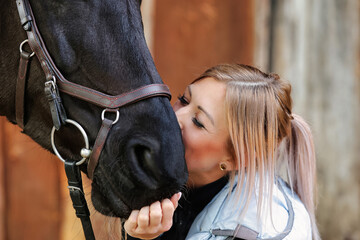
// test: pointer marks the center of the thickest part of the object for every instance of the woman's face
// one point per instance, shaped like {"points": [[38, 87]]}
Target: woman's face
{"points": [[201, 116]]}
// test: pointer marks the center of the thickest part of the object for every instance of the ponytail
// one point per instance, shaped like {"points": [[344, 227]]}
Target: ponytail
{"points": [[301, 163]]}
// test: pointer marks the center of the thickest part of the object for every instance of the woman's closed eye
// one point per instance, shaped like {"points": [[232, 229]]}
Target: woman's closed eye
{"points": [[183, 100], [197, 123]]}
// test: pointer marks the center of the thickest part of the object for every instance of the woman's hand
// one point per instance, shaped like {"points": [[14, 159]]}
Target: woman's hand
{"points": [[151, 221]]}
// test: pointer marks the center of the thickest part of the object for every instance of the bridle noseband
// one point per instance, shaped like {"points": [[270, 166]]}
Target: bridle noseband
{"points": [[55, 82]]}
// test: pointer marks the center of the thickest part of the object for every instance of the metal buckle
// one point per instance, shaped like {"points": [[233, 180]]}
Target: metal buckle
{"points": [[51, 82], [72, 188]]}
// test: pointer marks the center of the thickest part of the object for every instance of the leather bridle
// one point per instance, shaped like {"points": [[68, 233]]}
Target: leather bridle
{"points": [[56, 82]]}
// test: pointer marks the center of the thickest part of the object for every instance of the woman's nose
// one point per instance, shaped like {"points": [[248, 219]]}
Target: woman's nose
{"points": [[180, 124], [178, 117], [181, 115]]}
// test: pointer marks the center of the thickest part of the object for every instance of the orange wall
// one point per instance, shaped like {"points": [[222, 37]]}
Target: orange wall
{"points": [[30, 193], [191, 36]]}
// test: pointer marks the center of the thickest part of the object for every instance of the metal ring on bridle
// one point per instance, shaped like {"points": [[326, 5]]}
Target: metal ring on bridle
{"points": [[110, 110], [86, 140], [21, 46]]}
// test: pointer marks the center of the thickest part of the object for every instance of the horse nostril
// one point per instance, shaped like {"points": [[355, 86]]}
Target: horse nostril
{"points": [[145, 160], [147, 155], [144, 156]]}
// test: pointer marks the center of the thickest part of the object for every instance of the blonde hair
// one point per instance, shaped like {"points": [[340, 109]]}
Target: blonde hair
{"points": [[264, 132]]}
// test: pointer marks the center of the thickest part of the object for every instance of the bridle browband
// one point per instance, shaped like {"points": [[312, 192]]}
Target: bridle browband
{"points": [[56, 82]]}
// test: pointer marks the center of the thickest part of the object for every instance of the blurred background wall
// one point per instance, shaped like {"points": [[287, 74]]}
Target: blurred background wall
{"points": [[316, 45], [313, 44]]}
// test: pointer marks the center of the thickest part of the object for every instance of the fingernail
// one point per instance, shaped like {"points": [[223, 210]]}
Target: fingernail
{"points": [[179, 195]]}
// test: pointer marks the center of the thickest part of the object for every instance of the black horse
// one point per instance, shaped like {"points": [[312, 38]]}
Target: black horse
{"points": [[100, 45]]}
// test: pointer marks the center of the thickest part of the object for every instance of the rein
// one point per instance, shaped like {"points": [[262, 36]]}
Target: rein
{"points": [[56, 82]]}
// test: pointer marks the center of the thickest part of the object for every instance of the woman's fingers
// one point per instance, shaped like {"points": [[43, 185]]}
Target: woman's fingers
{"points": [[168, 212], [131, 224], [143, 217], [175, 199], [155, 214], [168, 208], [151, 221]]}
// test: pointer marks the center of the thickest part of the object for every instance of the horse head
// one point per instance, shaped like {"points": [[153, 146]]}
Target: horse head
{"points": [[99, 45]]}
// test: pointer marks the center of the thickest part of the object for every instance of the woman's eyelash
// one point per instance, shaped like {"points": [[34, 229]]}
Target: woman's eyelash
{"points": [[183, 100], [197, 123]]}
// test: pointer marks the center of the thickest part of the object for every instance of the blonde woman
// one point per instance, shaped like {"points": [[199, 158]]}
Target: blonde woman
{"points": [[239, 132]]}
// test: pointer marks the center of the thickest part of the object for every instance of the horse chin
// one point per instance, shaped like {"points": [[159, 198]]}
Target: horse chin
{"points": [[107, 207]]}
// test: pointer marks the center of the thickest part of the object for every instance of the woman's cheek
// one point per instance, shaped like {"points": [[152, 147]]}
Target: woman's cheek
{"points": [[190, 139]]}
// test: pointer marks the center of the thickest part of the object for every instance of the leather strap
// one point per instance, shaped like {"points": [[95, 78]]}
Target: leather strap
{"points": [[107, 101], [78, 198], [56, 108], [35, 41], [98, 146], [25, 18], [20, 88]]}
